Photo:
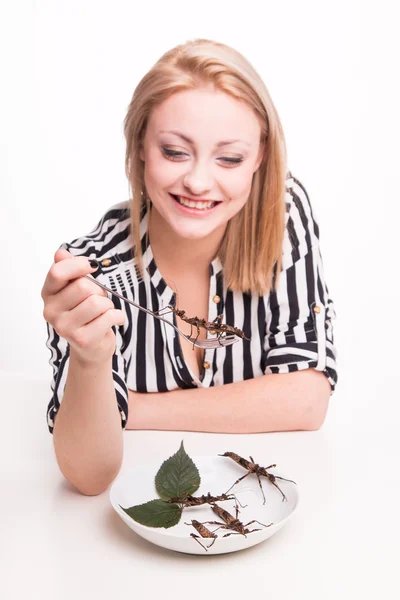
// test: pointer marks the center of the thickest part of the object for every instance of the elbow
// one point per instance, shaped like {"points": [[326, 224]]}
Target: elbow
{"points": [[88, 483], [87, 488], [92, 491], [314, 419], [315, 412], [313, 424]]}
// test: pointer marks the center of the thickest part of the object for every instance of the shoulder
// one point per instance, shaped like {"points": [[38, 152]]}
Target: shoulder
{"points": [[301, 227], [111, 234]]}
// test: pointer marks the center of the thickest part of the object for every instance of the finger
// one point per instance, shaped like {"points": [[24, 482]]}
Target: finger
{"points": [[61, 254], [93, 333], [83, 314], [65, 270], [74, 294], [71, 296]]}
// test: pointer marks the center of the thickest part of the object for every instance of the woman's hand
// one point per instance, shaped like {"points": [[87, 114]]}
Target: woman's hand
{"points": [[79, 310]]}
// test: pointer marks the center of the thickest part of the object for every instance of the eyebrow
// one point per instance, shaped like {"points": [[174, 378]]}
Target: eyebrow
{"points": [[218, 145]]}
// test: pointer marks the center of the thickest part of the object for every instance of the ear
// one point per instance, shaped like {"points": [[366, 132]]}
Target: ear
{"points": [[141, 152], [260, 157], [258, 163]]}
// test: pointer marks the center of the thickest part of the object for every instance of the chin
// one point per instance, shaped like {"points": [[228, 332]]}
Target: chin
{"points": [[193, 234]]}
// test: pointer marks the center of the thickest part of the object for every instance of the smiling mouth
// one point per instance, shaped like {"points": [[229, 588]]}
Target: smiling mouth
{"points": [[195, 204]]}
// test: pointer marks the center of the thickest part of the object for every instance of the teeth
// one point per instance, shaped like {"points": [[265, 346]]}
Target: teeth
{"points": [[194, 204]]}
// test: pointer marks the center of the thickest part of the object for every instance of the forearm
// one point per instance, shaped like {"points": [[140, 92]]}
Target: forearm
{"points": [[281, 402], [87, 431]]}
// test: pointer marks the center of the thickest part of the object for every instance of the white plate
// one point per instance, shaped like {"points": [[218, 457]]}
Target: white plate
{"points": [[217, 473]]}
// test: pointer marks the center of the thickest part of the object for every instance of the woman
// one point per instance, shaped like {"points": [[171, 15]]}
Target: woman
{"points": [[217, 225]]}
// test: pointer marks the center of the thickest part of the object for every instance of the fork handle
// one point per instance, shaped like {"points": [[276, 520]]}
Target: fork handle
{"points": [[150, 312], [220, 344]]}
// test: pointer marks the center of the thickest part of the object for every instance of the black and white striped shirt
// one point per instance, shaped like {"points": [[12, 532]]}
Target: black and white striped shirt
{"points": [[290, 328]]}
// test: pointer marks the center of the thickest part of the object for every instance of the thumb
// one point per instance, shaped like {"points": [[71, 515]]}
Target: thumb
{"points": [[62, 254]]}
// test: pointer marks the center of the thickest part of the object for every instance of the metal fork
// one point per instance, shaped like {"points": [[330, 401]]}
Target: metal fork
{"points": [[219, 343]]}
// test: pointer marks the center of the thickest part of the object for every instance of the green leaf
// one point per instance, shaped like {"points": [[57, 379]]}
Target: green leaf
{"points": [[177, 475], [155, 513]]}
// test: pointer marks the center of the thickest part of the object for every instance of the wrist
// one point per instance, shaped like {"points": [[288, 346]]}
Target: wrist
{"points": [[88, 364]]}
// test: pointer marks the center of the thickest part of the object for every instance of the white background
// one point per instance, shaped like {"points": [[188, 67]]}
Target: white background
{"points": [[69, 70]]}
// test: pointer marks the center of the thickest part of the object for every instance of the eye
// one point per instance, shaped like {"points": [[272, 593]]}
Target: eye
{"points": [[174, 155], [171, 153]]}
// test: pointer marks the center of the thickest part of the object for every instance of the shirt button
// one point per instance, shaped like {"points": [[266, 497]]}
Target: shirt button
{"points": [[106, 262], [206, 364], [317, 309], [216, 299]]}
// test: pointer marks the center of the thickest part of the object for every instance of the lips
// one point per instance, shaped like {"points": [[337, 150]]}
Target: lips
{"points": [[197, 205], [195, 199]]}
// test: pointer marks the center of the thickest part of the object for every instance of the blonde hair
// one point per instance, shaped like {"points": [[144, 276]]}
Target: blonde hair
{"points": [[251, 248]]}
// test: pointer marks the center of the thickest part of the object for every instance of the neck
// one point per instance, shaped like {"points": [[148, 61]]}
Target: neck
{"points": [[183, 254]]}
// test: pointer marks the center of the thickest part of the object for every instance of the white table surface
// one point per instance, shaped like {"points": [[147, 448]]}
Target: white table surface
{"points": [[341, 541]]}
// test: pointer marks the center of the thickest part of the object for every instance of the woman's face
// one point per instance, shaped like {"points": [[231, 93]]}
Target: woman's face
{"points": [[189, 153]]}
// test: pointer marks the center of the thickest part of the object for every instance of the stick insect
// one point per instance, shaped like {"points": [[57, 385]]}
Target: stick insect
{"points": [[189, 500], [253, 467], [231, 522], [214, 327], [204, 533]]}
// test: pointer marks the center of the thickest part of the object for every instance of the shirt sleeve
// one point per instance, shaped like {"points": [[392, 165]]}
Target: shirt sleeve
{"points": [[90, 246], [299, 330]]}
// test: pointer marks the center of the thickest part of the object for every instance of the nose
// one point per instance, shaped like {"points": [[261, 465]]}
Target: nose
{"points": [[198, 180]]}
